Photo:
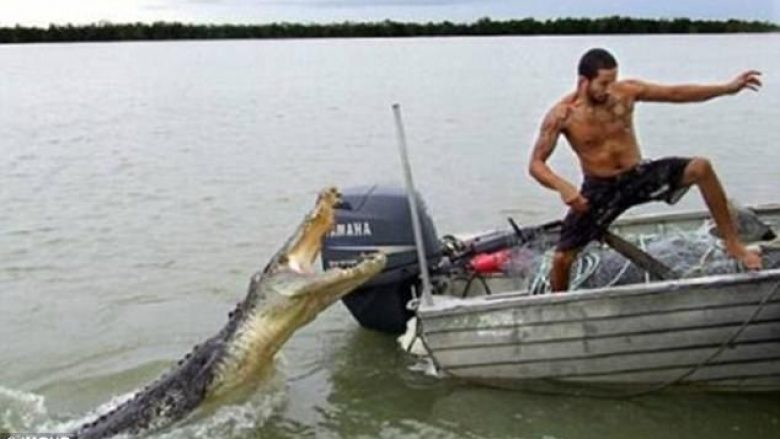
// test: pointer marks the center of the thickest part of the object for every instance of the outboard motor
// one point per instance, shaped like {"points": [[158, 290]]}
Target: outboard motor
{"points": [[377, 218]]}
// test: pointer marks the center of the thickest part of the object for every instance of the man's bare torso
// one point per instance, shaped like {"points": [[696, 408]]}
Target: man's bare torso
{"points": [[601, 135]]}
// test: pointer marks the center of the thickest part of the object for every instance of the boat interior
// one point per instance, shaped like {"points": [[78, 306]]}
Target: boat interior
{"points": [[685, 243]]}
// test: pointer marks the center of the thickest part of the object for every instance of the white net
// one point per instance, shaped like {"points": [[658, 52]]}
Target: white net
{"points": [[689, 253]]}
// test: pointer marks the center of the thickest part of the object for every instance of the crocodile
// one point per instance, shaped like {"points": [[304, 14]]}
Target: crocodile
{"points": [[283, 297]]}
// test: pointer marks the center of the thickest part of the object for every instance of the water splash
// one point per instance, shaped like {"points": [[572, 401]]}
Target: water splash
{"points": [[26, 412], [74, 424], [234, 420], [21, 411]]}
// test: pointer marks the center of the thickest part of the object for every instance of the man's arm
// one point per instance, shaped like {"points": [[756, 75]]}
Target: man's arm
{"points": [[543, 148], [645, 91]]}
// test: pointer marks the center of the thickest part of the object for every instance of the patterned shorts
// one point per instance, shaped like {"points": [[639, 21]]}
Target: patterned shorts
{"points": [[650, 180]]}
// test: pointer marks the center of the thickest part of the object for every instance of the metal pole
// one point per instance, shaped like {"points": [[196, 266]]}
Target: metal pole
{"points": [[426, 278]]}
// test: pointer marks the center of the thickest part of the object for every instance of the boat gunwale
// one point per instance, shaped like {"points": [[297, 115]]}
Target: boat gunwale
{"points": [[687, 215], [521, 299]]}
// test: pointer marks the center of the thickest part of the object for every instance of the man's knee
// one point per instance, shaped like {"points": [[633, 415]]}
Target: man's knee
{"points": [[559, 275], [698, 168]]}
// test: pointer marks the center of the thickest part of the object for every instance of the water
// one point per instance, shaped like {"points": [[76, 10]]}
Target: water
{"points": [[141, 185]]}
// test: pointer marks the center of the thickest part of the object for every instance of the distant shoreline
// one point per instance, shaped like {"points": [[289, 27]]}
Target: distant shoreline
{"points": [[615, 25]]}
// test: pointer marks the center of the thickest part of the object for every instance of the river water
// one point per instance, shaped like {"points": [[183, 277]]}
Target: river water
{"points": [[143, 183]]}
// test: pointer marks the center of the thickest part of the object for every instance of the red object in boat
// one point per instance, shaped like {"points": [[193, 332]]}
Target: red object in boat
{"points": [[485, 263]]}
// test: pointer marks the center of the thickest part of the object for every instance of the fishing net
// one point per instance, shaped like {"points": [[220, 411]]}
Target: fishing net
{"points": [[690, 254]]}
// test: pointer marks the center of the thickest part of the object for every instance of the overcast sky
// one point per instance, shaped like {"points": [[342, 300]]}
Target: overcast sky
{"points": [[43, 12]]}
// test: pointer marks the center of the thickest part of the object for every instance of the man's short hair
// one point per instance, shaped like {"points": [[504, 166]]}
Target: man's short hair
{"points": [[594, 60]]}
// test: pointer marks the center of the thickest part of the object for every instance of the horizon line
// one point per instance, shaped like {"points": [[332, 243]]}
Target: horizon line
{"points": [[387, 20]]}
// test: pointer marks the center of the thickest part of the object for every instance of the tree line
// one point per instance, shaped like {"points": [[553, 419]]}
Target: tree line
{"points": [[106, 31]]}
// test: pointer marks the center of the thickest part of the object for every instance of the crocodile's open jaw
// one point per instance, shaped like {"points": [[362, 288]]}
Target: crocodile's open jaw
{"points": [[293, 265]]}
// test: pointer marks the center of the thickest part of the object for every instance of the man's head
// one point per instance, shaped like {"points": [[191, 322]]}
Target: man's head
{"points": [[597, 71]]}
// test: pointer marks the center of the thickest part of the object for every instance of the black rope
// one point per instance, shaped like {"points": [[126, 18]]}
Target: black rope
{"points": [[469, 282]]}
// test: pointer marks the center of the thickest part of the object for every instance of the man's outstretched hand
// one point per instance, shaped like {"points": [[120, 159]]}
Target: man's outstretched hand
{"points": [[749, 79]]}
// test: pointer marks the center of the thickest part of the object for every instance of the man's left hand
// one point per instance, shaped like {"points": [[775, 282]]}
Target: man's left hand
{"points": [[749, 79]]}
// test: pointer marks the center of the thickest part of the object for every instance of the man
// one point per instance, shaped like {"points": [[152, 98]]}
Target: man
{"points": [[597, 121]]}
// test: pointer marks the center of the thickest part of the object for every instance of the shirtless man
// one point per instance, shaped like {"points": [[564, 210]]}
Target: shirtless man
{"points": [[597, 121]]}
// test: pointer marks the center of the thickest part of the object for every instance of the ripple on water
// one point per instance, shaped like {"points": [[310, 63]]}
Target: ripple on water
{"points": [[28, 269]]}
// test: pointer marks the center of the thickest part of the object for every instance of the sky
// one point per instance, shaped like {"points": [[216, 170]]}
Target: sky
{"points": [[44, 12]]}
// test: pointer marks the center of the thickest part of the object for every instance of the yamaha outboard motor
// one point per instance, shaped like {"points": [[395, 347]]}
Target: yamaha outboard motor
{"points": [[377, 218]]}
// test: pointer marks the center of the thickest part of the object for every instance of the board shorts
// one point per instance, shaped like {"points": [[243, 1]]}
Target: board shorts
{"points": [[608, 197]]}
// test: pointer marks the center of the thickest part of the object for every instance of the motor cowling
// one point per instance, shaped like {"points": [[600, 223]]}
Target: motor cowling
{"points": [[377, 218]]}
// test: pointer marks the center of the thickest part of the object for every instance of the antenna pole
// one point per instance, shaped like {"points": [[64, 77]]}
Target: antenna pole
{"points": [[426, 278]]}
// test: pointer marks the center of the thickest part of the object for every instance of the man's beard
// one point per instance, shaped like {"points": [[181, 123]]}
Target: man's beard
{"points": [[598, 99]]}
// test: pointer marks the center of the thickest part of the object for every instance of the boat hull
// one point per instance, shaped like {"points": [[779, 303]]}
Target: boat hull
{"points": [[719, 332]]}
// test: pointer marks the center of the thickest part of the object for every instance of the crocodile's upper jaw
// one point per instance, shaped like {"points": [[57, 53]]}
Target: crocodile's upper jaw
{"points": [[300, 251]]}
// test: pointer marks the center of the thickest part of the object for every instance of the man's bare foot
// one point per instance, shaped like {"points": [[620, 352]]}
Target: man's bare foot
{"points": [[751, 259]]}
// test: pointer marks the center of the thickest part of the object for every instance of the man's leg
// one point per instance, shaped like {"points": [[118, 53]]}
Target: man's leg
{"points": [[559, 275], [699, 172]]}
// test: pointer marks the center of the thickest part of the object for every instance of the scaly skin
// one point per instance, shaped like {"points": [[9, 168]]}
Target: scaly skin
{"points": [[283, 297]]}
